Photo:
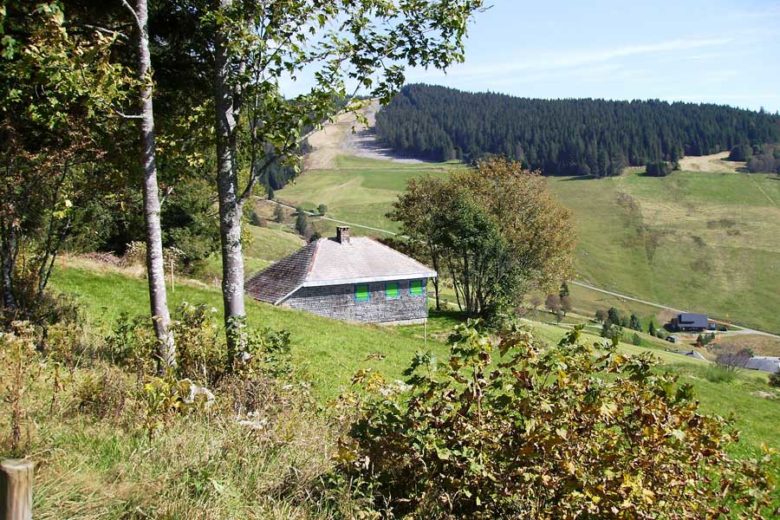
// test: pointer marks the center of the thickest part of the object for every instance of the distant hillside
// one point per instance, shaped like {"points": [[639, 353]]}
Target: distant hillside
{"points": [[569, 136]]}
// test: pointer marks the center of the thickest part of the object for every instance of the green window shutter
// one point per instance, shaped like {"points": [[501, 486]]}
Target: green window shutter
{"points": [[361, 292], [391, 290], [417, 288]]}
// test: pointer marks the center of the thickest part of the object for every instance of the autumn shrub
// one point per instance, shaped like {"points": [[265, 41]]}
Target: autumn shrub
{"points": [[202, 354], [19, 368], [163, 398], [66, 343], [131, 343], [135, 254], [103, 393], [199, 345], [54, 324], [504, 429]]}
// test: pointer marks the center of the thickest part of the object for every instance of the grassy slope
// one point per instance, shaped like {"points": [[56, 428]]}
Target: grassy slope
{"points": [[327, 350], [331, 352], [716, 240], [266, 245], [360, 190], [695, 240]]}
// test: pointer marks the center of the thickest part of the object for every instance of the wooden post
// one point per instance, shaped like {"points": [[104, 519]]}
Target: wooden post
{"points": [[16, 481]]}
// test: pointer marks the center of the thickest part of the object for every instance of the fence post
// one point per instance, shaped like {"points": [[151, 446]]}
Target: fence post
{"points": [[16, 481]]}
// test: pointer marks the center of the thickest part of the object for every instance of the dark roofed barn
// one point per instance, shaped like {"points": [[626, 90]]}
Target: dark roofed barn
{"points": [[347, 278], [690, 322]]}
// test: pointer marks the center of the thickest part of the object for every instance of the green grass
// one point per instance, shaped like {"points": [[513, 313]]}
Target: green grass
{"points": [[698, 241], [271, 244], [330, 352], [211, 467], [265, 246], [358, 190], [586, 302]]}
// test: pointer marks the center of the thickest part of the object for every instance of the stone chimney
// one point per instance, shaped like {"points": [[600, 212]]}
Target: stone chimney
{"points": [[342, 234]]}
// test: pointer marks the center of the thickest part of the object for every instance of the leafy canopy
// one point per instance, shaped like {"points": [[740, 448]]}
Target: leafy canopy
{"points": [[58, 92], [497, 230]]}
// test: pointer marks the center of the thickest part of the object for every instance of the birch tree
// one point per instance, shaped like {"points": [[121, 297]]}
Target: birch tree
{"points": [[338, 48], [155, 267]]}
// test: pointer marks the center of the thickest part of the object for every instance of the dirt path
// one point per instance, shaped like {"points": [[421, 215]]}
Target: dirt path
{"points": [[757, 185], [337, 221], [347, 136], [711, 163], [326, 143]]}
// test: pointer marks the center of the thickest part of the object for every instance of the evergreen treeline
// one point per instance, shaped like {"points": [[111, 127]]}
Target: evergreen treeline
{"points": [[568, 136], [764, 159]]}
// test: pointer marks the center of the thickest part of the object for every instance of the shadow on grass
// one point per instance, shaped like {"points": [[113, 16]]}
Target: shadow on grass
{"points": [[438, 328], [450, 315], [579, 177]]}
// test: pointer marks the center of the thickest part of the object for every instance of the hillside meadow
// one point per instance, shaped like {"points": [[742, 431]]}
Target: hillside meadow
{"points": [[262, 247], [95, 460], [358, 190], [328, 353], [700, 241]]}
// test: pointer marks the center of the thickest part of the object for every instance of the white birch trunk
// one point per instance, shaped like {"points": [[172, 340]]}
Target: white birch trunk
{"points": [[155, 267], [230, 204]]}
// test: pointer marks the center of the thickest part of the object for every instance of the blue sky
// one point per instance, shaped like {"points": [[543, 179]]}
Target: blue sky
{"points": [[704, 51]]}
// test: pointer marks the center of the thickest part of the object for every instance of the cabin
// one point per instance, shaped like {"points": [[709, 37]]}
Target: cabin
{"points": [[354, 279], [690, 322]]}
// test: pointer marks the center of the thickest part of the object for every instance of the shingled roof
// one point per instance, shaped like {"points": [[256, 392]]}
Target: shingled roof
{"points": [[329, 261]]}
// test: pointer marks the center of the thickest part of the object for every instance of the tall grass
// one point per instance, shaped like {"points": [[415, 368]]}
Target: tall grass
{"points": [[94, 459], [720, 373]]}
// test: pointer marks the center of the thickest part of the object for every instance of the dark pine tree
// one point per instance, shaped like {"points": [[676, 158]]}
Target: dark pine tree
{"points": [[567, 136]]}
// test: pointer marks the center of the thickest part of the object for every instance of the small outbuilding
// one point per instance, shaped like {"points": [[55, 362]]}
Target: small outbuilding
{"points": [[348, 278]]}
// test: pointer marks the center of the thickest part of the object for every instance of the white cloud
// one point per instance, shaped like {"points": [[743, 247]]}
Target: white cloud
{"points": [[569, 59]]}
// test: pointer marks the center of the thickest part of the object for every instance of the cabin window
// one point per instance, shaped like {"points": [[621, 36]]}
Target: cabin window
{"points": [[361, 292], [417, 287], [392, 291]]}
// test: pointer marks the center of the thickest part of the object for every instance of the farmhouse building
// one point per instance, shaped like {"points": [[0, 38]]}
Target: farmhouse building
{"points": [[347, 278], [764, 363], [690, 322]]}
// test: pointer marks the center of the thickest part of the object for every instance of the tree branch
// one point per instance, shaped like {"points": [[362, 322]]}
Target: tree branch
{"points": [[168, 191], [135, 15], [287, 149], [128, 116], [105, 30]]}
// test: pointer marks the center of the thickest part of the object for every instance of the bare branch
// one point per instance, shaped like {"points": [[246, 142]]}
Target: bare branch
{"points": [[105, 30], [128, 116], [168, 191], [135, 15]]}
